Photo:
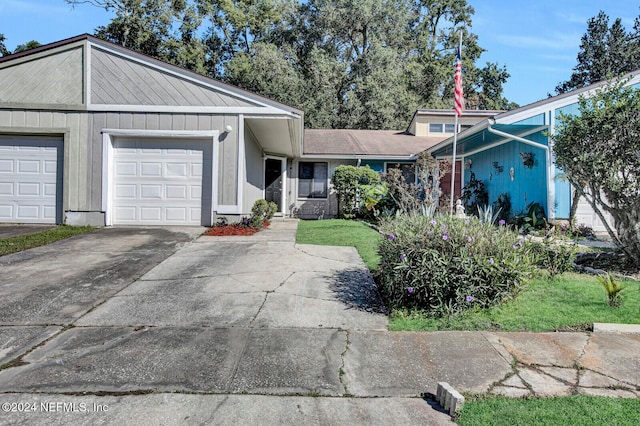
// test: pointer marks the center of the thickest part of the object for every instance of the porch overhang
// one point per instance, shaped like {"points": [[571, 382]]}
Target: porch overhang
{"points": [[277, 135], [482, 136]]}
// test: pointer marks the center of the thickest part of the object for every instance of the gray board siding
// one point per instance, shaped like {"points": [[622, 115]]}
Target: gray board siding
{"points": [[227, 150], [119, 81], [50, 80]]}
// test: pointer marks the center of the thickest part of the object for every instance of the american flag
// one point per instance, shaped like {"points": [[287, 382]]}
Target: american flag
{"points": [[457, 79]]}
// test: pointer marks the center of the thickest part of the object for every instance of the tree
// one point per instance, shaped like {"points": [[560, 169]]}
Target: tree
{"points": [[605, 52], [3, 48], [598, 151], [27, 46]]}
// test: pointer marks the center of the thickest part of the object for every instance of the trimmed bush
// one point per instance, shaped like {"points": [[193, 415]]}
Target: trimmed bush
{"points": [[443, 265], [348, 182], [261, 212]]}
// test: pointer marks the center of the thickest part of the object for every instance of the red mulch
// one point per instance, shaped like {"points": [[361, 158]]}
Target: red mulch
{"points": [[234, 229]]}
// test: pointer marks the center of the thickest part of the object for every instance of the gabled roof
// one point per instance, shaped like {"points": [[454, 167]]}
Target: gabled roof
{"points": [[518, 122], [153, 63], [350, 143]]}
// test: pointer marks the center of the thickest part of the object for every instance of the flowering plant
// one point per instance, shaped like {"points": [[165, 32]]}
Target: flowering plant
{"points": [[446, 264]]}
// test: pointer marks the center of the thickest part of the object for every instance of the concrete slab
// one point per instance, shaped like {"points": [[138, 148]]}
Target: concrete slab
{"points": [[614, 355], [411, 363], [131, 360], [542, 384], [15, 341], [291, 311], [58, 283], [180, 309], [561, 349], [601, 327], [221, 410], [291, 362]]}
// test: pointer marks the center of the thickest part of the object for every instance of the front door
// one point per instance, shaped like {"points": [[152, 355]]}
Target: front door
{"points": [[273, 181]]}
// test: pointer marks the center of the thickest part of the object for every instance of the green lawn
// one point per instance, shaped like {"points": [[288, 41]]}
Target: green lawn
{"points": [[338, 232], [576, 410], [568, 302], [24, 242]]}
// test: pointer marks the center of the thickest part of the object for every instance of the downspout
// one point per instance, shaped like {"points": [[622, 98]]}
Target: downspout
{"points": [[550, 195]]}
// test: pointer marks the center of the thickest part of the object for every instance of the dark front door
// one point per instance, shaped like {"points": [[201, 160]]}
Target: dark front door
{"points": [[273, 181]]}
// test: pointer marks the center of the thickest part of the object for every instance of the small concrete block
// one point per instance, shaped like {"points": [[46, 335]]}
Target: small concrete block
{"points": [[449, 398], [602, 327]]}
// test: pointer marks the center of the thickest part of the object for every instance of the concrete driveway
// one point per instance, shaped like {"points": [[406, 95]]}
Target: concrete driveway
{"points": [[154, 324]]}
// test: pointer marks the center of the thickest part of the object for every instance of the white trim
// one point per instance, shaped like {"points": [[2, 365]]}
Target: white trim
{"points": [[108, 162], [283, 171], [309, 157], [241, 164], [184, 109]]}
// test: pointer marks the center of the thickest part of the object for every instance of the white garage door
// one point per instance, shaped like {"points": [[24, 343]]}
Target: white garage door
{"points": [[160, 182], [31, 179]]}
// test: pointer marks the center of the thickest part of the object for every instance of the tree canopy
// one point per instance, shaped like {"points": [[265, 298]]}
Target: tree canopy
{"points": [[599, 152], [606, 51], [346, 63], [3, 48]]}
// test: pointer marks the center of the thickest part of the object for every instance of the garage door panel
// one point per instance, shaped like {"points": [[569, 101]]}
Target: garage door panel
{"points": [[159, 184], [31, 179]]}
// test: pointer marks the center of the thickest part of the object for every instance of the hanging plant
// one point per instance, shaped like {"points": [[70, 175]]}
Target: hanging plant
{"points": [[528, 159]]}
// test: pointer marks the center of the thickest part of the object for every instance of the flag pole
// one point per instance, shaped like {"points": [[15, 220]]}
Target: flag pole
{"points": [[455, 131]]}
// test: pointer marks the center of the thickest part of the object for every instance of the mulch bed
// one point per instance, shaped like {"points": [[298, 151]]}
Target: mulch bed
{"points": [[233, 229]]}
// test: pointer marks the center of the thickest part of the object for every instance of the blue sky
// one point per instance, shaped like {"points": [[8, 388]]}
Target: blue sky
{"points": [[537, 40]]}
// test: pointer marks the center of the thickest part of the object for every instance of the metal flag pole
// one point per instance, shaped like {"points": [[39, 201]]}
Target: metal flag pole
{"points": [[455, 134]]}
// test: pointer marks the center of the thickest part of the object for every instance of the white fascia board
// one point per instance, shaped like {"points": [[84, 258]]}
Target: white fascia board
{"points": [[359, 157], [161, 133], [179, 75], [266, 111]]}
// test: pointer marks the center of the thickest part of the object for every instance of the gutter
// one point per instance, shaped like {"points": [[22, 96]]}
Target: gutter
{"points": [[550, 191]]}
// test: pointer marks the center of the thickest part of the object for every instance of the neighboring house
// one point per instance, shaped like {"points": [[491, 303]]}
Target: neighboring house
{"points": [[495, 150], [93, 133], [325, 149]]}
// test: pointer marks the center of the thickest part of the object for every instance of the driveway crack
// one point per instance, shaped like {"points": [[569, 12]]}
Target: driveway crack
{"points": [[342, 372]]}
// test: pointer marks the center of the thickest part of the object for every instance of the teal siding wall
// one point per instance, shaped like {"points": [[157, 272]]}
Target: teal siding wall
{"points": [[535, 120], [563, 196], [529, 184]]}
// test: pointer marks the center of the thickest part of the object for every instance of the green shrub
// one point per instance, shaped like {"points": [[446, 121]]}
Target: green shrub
{"points": [[555, 253], [612, 288], [261, 212], [446, 264], [348, 182]]}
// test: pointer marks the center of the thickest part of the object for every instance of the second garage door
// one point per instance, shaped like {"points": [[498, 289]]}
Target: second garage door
{"points": [[162, 182]]}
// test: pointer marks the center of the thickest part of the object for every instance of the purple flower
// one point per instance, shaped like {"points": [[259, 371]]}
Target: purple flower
{"points": [[469, 299], [467, 221], [445, 236], [433, 222], [401, 257], [392, 237], [491, 261], [501, 222], [444, 226], [468, 239], [429, 233], [410, 289]]}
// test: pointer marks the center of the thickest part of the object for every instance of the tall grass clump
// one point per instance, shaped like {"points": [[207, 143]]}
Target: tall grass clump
{"points": [[444, 265]]}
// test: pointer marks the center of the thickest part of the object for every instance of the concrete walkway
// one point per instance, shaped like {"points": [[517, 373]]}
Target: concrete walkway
{"points": [[259, 330]]}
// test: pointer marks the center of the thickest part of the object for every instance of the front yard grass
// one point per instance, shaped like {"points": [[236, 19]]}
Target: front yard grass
{"points": [[24, 242], [567, 302], [574, 410], [338, 232]]}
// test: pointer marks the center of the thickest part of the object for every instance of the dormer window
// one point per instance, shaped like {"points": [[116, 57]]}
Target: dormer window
{"points": [[441, 128]]}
